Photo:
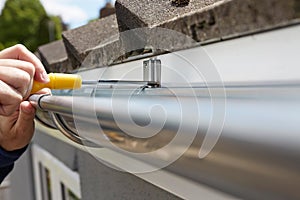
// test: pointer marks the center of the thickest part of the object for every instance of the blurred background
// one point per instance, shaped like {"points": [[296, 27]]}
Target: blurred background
{"points": [[37, 22]]}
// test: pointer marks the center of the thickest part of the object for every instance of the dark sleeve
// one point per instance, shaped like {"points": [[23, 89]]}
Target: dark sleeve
{"points": [[7, 160]]}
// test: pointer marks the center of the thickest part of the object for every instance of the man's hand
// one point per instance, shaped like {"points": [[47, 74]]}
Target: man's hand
{"points": [[18, 68]]}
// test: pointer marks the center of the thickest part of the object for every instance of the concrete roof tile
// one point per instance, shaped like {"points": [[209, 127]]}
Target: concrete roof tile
{"points": [[81, 41], [208, 20], [54, 57]]}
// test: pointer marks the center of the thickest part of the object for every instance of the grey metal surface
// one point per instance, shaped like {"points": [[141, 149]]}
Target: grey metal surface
{"points": [[256, 156], [63, 152], [22, 184], [102, 182], [97, 180]]}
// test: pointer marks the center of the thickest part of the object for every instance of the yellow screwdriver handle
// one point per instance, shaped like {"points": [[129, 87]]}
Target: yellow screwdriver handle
{"points": [[59, 82]]}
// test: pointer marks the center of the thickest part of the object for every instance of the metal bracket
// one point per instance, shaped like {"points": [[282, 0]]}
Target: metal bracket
{"points": [[151, 76], [152, 71]]}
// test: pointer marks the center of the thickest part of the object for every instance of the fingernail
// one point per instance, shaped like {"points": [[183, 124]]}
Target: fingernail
{"points": [[45, 77], [28, 110]]}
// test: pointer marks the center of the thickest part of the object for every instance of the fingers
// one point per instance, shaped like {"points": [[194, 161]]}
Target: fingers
{"points": [[18, 130], [18, 74], [25, 123], [17, 79], [18, 68], [19, 64], [26, 114], [10, 99], [20, 52], [16, 82], [44, 91]]}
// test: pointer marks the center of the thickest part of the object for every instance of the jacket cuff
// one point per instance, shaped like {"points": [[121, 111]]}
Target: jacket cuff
{"points": [[9, 157]]}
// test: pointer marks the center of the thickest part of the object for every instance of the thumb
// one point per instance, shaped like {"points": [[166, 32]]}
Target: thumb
{"points": [[24, 127], [26, 116]]}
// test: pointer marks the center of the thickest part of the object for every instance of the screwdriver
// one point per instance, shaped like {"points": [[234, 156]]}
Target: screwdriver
{"points": [[60, 81]]}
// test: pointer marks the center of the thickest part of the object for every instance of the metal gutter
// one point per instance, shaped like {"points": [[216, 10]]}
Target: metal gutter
{"points": [[257, 154]]}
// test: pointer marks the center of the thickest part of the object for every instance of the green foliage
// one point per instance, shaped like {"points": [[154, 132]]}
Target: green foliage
{"points": [[93, 20], [26, 22], [57, 26]]}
